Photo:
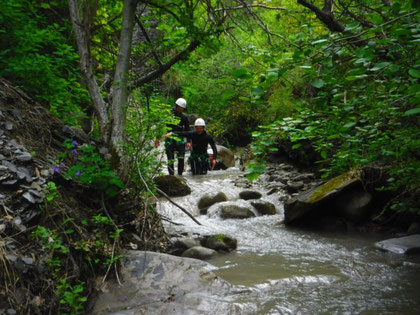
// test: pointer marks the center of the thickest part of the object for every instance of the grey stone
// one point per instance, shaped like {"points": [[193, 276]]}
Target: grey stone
{"points": [[12, 167], [402, 245], [209, 199], [10, 182], [2, 157], [5, 176], [233, 211], [414, 228], [220, 242], [184, 243], [199, 252], [154, 283], [2, 228], [250, 194], [2, 196], [264, 207], [28, 260], [28, 196], [225, 156], [172, 185], [24, 156], [11, 311], [22, 171]]}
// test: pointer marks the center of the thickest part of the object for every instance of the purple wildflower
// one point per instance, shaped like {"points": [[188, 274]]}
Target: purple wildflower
{"points": [[78, 174], [55, 169], [74, 152], [74, 142]]}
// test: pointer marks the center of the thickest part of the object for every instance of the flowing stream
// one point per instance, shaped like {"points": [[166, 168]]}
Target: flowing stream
{"points": [[282, 270]]}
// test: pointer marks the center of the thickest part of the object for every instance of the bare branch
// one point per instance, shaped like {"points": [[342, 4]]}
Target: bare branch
{"points": [[240, 7], [166, 66], [143, 30]]}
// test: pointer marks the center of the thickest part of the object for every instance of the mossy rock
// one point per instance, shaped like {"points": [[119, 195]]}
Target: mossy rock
{"points": [[220, 242], [317, 199], [264, 207], [172, 185]]}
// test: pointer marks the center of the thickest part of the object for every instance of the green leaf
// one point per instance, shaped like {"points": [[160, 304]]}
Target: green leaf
{"points": [[241, 73], [349, 125], [257, 91], [318, 83], [324, 154], [415, 73], [415, 88], [413, 111]]}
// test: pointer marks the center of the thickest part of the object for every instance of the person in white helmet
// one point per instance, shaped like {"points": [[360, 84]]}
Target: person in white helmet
{"points": [[215, 165], [200, 139], [176, 145]]}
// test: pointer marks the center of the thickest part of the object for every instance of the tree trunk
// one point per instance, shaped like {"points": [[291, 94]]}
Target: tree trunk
{"points": [[86, 67], [120, 85]]}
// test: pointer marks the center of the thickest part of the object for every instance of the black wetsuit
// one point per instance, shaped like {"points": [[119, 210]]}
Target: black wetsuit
{"points": [[175, 144], [199, 159]]}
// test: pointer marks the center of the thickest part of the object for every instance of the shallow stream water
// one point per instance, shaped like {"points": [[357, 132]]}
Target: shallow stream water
{"points": [[282, 270]]}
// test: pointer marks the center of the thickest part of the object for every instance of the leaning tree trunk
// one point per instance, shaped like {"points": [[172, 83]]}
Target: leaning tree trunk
{"points": [[87, 70], [120, 86]]}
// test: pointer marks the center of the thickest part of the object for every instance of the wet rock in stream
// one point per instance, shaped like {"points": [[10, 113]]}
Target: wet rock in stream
{"points": [[154, 283], [250, 194], [209, 199], [264, 207], [199, 252]]}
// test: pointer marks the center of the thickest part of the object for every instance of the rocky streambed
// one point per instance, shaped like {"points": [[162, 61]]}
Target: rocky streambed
{"points": [[273, 268]]}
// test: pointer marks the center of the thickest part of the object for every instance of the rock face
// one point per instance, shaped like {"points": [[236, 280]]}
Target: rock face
{"points": [[323, 198], [402, 245], [235, 211], [154, 283], [209, 199], [250, 194], [264, 207], [220, 242], [172, 185], [199, 252], [225, 155]]}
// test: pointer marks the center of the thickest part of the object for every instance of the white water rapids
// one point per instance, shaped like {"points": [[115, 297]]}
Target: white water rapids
{"points": [[283, 270]]}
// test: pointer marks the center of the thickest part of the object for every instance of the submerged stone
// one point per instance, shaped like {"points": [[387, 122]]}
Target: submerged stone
{"points": [[199, 252], [233, 211]]}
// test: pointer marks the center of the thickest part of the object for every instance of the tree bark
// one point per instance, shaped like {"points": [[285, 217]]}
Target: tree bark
{"points": [[99, 104], [119, 89]]}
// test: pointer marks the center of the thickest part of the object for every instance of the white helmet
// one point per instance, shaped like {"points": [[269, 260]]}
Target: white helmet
{"points": [[210, 151], [181, 102], [199, 122]]}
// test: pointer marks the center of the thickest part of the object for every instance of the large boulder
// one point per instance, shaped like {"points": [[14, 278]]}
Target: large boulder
{"points": [[155, 283], [220, 242], [209, 199], [250, 194], [354, 204], [235, 211], [199, 252], [225, 155], [321, 199], [402, 245], [172, 185], [264, 207]]}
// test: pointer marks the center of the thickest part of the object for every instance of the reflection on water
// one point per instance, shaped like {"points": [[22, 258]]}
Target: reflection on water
{"points": [[280, 270]]}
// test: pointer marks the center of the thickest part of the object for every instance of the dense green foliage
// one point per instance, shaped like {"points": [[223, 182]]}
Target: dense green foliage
{"points": [[36, 53]]}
